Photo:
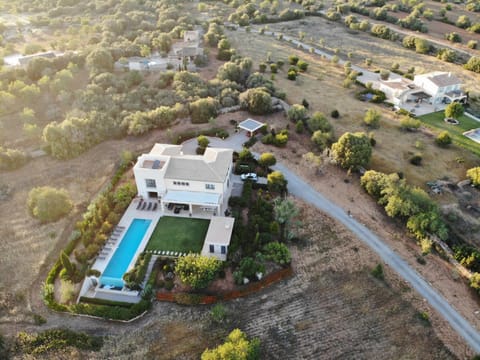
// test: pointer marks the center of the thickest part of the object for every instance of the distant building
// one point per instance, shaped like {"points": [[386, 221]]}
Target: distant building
{"points": [[24, 60]]}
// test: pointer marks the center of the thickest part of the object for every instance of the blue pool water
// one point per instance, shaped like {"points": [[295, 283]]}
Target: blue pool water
{"points": [[112, 276]]}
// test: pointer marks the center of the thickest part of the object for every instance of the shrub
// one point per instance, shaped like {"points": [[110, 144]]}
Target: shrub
{"points": [[472, 44], [218, 313], [416, 159], [197, 271], [474, 175], [352, 150], [257, 101], [237, 346], [299, 127], [48, 204], [302, 65], [377, 272], [443, 139], [11, 159], [293, 59], [202, 110], [273, 68], [409, 123], [473, 64], [56, 339], [335, 114], [278, 253], [292, 75], [372, 118], [296, 112], [453, 37]]}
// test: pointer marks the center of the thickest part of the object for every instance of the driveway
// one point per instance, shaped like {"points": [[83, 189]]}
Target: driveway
{"points": [[299, 188], [304, 191]]}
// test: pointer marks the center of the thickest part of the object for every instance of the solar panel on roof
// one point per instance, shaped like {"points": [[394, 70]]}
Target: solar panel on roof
{"points": [[156, 164]]}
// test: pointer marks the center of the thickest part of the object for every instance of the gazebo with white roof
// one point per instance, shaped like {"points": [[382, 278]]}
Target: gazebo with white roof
{"points": [[251, 126]]}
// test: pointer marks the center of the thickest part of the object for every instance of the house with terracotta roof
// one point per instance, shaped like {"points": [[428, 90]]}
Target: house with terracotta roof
{"points": [[197, 183], [443, 87]]}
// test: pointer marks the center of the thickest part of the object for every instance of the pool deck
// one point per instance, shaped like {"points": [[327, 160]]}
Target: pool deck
{"points": [[130, 214]]}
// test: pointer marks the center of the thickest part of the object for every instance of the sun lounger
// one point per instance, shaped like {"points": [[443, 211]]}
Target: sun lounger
{"points": [[143, 206], [155, 206], [149, 206], [139, 204], [101, 258]]}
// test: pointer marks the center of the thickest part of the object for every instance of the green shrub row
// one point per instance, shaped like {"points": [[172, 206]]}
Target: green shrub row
{"points": [[186, 135]]}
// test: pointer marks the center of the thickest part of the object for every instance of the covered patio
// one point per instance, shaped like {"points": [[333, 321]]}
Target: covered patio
{"points": [[251, 126], [197, 202]]}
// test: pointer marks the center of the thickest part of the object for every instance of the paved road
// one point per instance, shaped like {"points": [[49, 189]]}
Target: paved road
{"points": [[304, 191]]}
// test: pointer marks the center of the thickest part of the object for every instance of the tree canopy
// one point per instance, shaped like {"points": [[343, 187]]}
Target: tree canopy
{"points": [[454, 110], [474, 175], [352, 150], [236, 347], [197, 271], [48, 204]]}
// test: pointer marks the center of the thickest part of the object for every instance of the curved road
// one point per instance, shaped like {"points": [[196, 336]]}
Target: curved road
{"points": [[303, 190]]}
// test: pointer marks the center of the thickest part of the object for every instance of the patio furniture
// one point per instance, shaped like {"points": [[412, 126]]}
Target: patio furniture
{"points": [[155, 206], [139, 204], [143, 206], [149, 205]]}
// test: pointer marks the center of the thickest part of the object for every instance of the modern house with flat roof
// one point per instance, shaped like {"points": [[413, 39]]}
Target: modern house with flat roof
{"points": [[200, 182]]}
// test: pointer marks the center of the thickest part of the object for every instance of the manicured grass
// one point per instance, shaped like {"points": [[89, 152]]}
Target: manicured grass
{"points": [[179, 234], [435, 121]]}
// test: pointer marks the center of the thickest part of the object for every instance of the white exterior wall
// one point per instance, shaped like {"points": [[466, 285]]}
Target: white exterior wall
{"points": [[198, 186], [141, 174], [217, 251]]}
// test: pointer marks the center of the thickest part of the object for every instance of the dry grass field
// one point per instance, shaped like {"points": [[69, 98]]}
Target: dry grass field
{"points": [[322, 86], [383, 52]]}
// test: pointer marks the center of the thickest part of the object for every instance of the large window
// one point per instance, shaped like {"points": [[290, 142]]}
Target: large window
{"points": [[210, 186], [212, 248], [223, 249], [151, 183]]}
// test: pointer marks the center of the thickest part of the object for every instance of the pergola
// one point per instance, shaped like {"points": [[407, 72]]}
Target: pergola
{"points": [[251, 126]]}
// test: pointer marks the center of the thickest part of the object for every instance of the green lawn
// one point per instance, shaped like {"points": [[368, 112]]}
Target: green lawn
{"points": [[179, 234], [435, 121]]}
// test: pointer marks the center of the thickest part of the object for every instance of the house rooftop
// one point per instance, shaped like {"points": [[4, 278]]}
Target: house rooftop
{"points": [[250, 125], [398, 84], [212, 166], [220, 230], [442, 79]]}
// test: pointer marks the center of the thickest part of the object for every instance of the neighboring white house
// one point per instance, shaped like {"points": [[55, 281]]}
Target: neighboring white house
{"points": [[201, 182], [443, 87]]}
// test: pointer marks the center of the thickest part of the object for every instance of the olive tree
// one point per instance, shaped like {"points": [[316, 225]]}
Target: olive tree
{"points": [[372, 118], [352, 150], [454, 110], [48, 204]]}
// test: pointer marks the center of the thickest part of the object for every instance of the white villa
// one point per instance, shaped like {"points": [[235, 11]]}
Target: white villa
{"points": [[200, 182], [443, 87], [432, 89]]}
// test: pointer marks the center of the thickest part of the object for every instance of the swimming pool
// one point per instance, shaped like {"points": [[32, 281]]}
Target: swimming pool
{"points": [[121, 259], [473, 134]]}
